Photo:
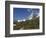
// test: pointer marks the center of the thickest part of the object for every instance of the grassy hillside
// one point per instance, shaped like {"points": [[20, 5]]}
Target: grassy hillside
{"points": [[29, 24]]}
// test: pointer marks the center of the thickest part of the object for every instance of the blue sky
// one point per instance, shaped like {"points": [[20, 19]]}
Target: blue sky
{"points": [[22, 13]]}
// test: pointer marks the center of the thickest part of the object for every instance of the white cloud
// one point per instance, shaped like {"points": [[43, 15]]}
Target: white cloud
{"points": [[29, 10], [30, 16], [24, 20], [21, 20]]}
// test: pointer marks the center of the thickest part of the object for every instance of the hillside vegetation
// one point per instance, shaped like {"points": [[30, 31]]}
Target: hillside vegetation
{"points": [[28, 24]]}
